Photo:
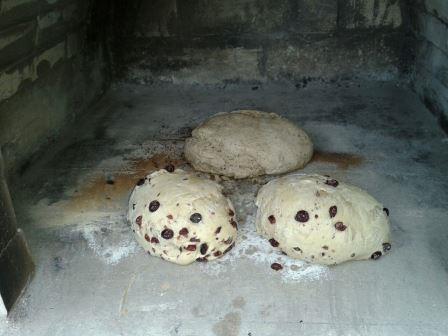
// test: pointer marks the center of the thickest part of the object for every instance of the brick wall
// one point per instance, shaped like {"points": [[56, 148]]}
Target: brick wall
{"points": [[211, 41], [49, 71], [430, 81]]}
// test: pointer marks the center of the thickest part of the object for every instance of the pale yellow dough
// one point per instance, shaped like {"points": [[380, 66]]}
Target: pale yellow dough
{"points": [[248, 143], [168, 232], [357, 229]]}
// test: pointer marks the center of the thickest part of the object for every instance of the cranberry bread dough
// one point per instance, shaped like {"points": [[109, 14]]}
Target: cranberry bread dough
{"points": [[248, 143], [182, 218], [321, 220]]}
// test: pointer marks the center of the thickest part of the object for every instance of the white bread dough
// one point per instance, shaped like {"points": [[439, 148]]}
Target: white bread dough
{"points": [[248, 143], [181, 218], [318, 219]]}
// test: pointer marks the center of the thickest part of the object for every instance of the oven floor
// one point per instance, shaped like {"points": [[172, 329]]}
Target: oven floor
{"points": [[92, 279]]}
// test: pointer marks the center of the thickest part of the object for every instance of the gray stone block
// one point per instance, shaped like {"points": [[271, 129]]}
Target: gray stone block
{"points": [[369, 14], [208, 17], [311, 16], [16, 42], [433, 30]]}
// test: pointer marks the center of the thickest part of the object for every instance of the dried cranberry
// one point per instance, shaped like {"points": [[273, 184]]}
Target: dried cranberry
{"points": [[340, 226], [333, 211], [183, 232], [234, 224], [167, 234], [154, 240], [170, 168], [229, 248], [191, 248], [302, 216], [140, 182], [217, 253], [204, 248], [376, 255], [153, 206], [271, 219], [276, 266], [147, 238], [387, 247], [195, 240], [273, 242], [332, 183], [218, 230], [196, 217], [228, 241], [231, 213], [138, 220], [386, 210]]}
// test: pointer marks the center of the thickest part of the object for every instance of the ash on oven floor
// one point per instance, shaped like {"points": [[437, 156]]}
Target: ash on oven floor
{"points": [[92, 278]]}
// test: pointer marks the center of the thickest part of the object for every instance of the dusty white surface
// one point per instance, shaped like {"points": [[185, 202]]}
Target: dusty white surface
{"points": [[394, 149]]}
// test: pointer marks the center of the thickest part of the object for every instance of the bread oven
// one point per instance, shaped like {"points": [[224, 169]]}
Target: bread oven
{"points": [[96, 95]]}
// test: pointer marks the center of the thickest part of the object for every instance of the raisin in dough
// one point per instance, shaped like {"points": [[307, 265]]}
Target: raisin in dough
{"points": [[181, 218], [321, 220], [248, 143]]}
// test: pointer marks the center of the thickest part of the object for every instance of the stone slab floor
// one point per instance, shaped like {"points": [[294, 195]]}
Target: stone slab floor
{"points": [[92, 279]]}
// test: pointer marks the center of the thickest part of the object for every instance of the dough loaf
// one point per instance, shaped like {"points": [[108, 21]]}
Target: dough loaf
{"points": [[248, 143], [182, 218], [319, 219]]}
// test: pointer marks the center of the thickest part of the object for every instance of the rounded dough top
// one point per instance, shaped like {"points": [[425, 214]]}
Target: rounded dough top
{"points": [[318, 219], [181, 217], [248, 143]]}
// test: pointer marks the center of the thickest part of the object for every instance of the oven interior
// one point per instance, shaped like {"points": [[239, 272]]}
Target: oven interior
{"points": [[95, 94]]}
